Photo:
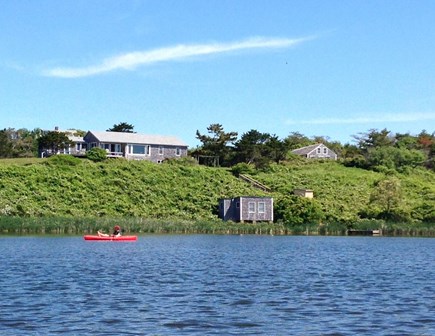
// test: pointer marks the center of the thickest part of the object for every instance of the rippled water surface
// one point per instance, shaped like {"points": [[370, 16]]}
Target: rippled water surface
{"points": [[218, 285]]}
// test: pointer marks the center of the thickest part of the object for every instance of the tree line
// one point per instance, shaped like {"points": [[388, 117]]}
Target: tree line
{"points": [[375, 149]]}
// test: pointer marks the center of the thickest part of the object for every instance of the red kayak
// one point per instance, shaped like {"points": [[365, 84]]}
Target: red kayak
{"points": [[121, 238]]}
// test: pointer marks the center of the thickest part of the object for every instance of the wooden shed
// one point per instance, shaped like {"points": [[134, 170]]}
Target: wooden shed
{"points": [[308, 193], [246, 209]]}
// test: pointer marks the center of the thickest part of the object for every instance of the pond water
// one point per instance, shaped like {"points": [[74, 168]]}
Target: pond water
{"points": [[218, 285]]}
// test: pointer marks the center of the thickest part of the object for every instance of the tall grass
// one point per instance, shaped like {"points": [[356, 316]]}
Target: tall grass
{"points": [[64, 225], [79, 226]]}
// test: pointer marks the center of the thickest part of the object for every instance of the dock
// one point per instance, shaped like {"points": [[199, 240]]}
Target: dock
{"points": [[352, 232]]}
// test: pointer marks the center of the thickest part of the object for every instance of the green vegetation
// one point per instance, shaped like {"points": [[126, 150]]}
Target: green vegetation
{"points": [[67, 186], [96, 154], [63, 194], [385, 181]]}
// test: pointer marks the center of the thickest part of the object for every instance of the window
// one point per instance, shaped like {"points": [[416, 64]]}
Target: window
{"points": [[178, 151], [261, 207], [238, 205], [161, 150], [318, 150], [251, 207], [140, 149], [325, 150]]}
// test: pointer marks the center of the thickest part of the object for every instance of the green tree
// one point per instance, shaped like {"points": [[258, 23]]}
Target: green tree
{"points": [[406, 141], [5, 144], [18, 143], [395, 158], [387, 199], [297, 140], [374, 138], [217, 143], [122, 127], [352, 156], [276, 149], [250, 147], [25, 143], [425, 211], [53, 142]]}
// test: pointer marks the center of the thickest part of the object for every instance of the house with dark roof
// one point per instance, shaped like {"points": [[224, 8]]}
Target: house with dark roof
{"points": [[317, 151], [134, 146]]}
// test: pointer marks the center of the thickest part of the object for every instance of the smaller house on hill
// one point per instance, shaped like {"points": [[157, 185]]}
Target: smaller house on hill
{"points": [[246, 209], [134, 146], [79, 147], [317, 151]]}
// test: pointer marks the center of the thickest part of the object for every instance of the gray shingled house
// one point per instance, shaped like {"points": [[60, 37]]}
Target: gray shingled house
{"points": [[317, 151], [136, 146], [246, 209]]}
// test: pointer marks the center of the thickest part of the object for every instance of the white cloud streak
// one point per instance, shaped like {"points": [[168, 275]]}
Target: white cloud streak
{"points": [[130, 61], [392, 118]]}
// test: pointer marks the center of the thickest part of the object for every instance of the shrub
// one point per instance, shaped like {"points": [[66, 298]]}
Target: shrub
{"points": [[185, 161], [62, 160], [96, 154], [296, 210], [242, 168]]}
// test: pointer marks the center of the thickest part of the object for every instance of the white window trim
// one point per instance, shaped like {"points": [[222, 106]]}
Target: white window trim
{"points": [[262, 207], [251, 207], [147, 150]]}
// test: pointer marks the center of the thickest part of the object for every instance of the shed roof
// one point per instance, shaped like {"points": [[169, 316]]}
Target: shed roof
{"points": [[135, 138], [259, 197]]}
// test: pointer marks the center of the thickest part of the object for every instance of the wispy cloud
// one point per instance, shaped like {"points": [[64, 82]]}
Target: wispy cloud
{"points": [[14, 66], [392, 118], [132, 60]]}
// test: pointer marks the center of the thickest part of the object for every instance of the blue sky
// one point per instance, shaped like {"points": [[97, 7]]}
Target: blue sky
{"points": [[170, 67]]}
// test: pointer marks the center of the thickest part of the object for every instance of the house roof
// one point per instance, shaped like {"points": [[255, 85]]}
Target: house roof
{"points": [[306, 150], [135, 138], [75, 138]]}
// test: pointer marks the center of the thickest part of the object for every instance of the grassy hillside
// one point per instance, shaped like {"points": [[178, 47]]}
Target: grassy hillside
{"points": [[62, 186], [114, 188], [344, 192]]}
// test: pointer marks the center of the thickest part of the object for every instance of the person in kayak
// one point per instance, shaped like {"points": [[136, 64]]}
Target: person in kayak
{"points": [[116, 232]]}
